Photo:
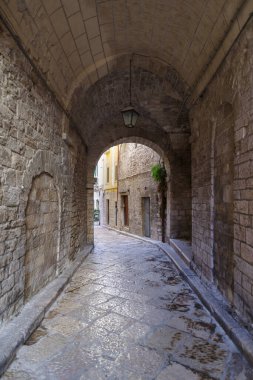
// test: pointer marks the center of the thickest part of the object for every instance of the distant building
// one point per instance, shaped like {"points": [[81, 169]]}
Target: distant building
{"points": [[139, 206], [125, 192], [105, 189]]}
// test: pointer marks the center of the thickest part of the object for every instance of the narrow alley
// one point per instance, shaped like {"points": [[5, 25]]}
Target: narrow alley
{"points": [[128, 314]]}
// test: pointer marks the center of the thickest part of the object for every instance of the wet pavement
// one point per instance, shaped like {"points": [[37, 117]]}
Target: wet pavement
{"points": [[128, 314]]}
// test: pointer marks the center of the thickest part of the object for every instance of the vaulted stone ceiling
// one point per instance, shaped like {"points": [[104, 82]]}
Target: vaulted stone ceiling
{"points": [[75, 42]]}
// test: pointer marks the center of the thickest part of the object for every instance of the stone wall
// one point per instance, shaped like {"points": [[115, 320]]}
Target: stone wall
{"points": [[78, 219], [35, 165], [135, 181], [108, 197], [180, 197], [222, 177]]}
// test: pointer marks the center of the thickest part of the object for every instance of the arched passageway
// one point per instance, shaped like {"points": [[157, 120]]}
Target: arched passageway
{"points": [[104, 127], [177, 222], [64, 80]]}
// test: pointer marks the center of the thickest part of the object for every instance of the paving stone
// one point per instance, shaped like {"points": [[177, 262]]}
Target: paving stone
{"points": [[43, 349], [112, 303], [133, 309], [65, 325], [141, 298], [178, 372], [108, 345], [142, 360], [87, 314], [113, 322], [66, 305], [96, 298], [103, 331], [136, 331]]}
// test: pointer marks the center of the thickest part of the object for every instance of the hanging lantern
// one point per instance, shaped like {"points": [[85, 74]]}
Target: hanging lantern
{"points": [[129, 114]]}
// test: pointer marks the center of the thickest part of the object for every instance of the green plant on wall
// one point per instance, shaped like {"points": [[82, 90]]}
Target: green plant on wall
{"points": [[159, 174]]}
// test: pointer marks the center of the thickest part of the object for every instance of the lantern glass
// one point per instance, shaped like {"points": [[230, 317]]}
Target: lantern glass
{"points": [[134, 117], [130, 116]]}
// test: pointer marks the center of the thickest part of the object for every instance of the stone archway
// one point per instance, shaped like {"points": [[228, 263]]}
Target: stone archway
{"points": [[163, 121], [178, 190], [42, 231]]}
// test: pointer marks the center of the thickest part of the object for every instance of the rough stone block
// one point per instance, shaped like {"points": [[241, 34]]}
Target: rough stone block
{"points": [[247, 253], [249, 237]]}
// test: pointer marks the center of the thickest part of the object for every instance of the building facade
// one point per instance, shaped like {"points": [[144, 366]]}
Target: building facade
{"points": [[106, 194], [139, 203], [126, 192]]}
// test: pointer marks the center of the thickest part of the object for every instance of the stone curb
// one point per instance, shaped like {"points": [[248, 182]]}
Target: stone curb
{"points": [[215, 304], [18, 330]]}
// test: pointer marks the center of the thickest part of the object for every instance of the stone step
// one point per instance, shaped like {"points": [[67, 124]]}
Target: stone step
{"points": [[183, 248]]}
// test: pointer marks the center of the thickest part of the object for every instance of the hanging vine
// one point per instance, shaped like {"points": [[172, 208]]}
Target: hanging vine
{"points": [[159, 174]]}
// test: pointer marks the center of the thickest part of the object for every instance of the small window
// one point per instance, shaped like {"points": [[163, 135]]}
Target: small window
{"points": [[116, 172], [108, 175]]}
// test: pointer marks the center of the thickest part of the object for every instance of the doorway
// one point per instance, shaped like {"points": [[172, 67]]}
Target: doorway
{"points": [[124, 199], [108, 210]]}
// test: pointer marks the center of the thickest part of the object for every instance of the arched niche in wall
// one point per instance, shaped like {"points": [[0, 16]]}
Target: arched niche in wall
{"points": [[42, 234], [40, 207]]}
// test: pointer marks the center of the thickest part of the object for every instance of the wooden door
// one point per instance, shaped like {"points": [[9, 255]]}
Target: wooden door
{"points": [[108, 211], [125, 210]]}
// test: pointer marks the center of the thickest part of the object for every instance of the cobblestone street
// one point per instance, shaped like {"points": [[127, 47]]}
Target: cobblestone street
{"points": [[128, 314]]}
